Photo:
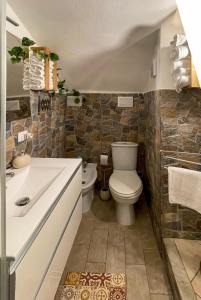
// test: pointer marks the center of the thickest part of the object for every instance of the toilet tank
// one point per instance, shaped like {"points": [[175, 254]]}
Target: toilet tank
{"points": [[124, 155]]}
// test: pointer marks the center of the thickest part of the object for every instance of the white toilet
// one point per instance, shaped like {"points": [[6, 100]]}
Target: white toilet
{"points": [[125, 184]]}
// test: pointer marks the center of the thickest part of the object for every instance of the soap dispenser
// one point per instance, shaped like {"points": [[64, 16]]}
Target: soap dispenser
{"points": [[22, 160]]}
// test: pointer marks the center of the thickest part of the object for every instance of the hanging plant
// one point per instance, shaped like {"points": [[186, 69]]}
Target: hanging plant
{"points": [[76, 94], [19, 54], [27, 42], [41, 54], [61, 87], [54, 56]]}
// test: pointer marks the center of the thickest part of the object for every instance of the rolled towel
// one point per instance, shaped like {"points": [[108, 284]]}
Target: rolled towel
{"points": [[36, 87], [181, 71], [183, 63], [181, 82], [37, 73], [36, 60], [35, 81], [26, 87], [178, 53], [180, 39]]}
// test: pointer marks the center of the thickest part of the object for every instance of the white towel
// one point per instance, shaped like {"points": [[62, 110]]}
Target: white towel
{"points": [[179, 39], [181, 71], [181, 82], [36, 60], [36, 87], [184, 187], [180, 52], [183, 63], [37, 72], [34, 78]]}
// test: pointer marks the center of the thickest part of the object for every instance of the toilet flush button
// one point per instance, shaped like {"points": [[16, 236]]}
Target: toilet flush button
{"points": [[125, 101]]}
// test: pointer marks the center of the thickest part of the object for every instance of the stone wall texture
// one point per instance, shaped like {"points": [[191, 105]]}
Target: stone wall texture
{"points": [[173, 130], [47, 129], [166, 125], [90, 129]]}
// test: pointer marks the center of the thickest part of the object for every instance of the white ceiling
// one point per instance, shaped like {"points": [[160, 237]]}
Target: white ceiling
{"points": [[104, 45]]}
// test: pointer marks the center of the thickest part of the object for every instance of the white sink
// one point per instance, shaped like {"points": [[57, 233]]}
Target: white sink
{"points": [[28, 185]]}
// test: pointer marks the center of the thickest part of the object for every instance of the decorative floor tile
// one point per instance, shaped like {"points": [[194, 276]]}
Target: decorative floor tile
{"points": [[94, 286]]}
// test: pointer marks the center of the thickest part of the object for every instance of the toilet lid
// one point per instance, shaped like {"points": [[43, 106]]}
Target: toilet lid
{"points": [[125, 182]]}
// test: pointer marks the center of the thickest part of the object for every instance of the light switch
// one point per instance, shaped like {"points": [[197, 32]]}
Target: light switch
{"points": [[125, 101]]}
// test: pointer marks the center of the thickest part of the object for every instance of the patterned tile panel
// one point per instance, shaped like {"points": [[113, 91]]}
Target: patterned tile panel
{"points": [[94, 286]]}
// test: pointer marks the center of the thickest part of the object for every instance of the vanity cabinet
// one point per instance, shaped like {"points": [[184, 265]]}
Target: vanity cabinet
{"points": [[39, 272]]}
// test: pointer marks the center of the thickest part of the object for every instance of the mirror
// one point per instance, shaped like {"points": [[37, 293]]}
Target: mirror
{"points": [[18, 100]]}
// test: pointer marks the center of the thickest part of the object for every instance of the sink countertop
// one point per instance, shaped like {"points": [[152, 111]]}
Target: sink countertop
{"points": [[20, 230]]}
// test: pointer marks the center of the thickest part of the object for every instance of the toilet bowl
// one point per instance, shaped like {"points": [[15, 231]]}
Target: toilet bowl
{"points": [[126, 188], [124, 183]]}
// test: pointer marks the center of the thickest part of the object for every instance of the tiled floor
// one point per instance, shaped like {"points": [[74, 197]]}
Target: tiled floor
{"points": [[184, 258], [101, 245]]}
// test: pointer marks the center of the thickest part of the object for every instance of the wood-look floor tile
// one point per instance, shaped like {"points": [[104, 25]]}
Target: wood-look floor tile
{"points": [[156, 273], [190, 253], [137, 285], [95, 267], [134, 250], [77, 258], [161, 297], [196, 283], [84, 233], [98, 246], [115, 262], [116, 234]]}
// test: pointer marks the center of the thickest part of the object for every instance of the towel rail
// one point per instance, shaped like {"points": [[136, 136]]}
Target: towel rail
{"points": [[181, 160], [180, 152]]}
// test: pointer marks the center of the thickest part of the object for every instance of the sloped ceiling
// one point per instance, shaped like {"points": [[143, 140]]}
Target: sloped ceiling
{"points": [[104, 45]]}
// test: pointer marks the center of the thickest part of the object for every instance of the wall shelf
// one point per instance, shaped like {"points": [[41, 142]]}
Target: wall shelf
{"points": [[194, 79], [47, 68]]}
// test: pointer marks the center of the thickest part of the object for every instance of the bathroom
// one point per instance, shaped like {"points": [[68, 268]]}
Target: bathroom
{"points": [[100, 150]]}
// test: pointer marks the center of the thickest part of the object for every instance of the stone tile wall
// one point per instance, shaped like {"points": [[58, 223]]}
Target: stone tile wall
{"points": [[91, 129], [152, 159], [47, 129], [177, 122]]}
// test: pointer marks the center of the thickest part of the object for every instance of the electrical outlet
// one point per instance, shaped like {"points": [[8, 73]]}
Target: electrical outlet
{"points": [[22, 136]]}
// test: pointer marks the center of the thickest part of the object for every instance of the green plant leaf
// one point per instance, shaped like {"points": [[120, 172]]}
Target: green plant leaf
{"points": [[61, 84], [27, 42], [77, 100], [54, 56], [16, 51], [76, 93], [25, 53], [41, 55], [15, 60]]}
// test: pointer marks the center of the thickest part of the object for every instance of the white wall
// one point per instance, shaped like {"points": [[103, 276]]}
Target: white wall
{"points": [[190, 11], [14, 36], [168, 28]]}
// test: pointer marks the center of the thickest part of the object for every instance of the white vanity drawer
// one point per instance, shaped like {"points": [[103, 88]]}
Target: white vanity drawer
{"points": [[33, 267], [52, 279]]}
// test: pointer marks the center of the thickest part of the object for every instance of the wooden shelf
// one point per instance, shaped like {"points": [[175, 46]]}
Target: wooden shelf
{"points": [[47, 66], [194, 78]]}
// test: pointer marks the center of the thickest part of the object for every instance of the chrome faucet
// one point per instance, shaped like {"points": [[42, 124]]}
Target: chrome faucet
{"points": [[84, 164], [10, 174]]}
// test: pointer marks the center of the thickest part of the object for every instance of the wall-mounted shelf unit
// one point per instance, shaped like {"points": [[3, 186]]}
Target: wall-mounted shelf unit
{"points": [[194, 79], [47, 68]]}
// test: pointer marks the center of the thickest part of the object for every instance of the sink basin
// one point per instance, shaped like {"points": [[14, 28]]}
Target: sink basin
{"points": [[27, 186]]}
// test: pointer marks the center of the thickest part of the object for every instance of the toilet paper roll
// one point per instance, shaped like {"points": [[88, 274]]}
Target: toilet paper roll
{"points": [[104, 160]]}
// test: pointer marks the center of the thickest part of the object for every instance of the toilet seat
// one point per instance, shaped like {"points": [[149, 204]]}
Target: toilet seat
{"points": [[125, 184]]}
